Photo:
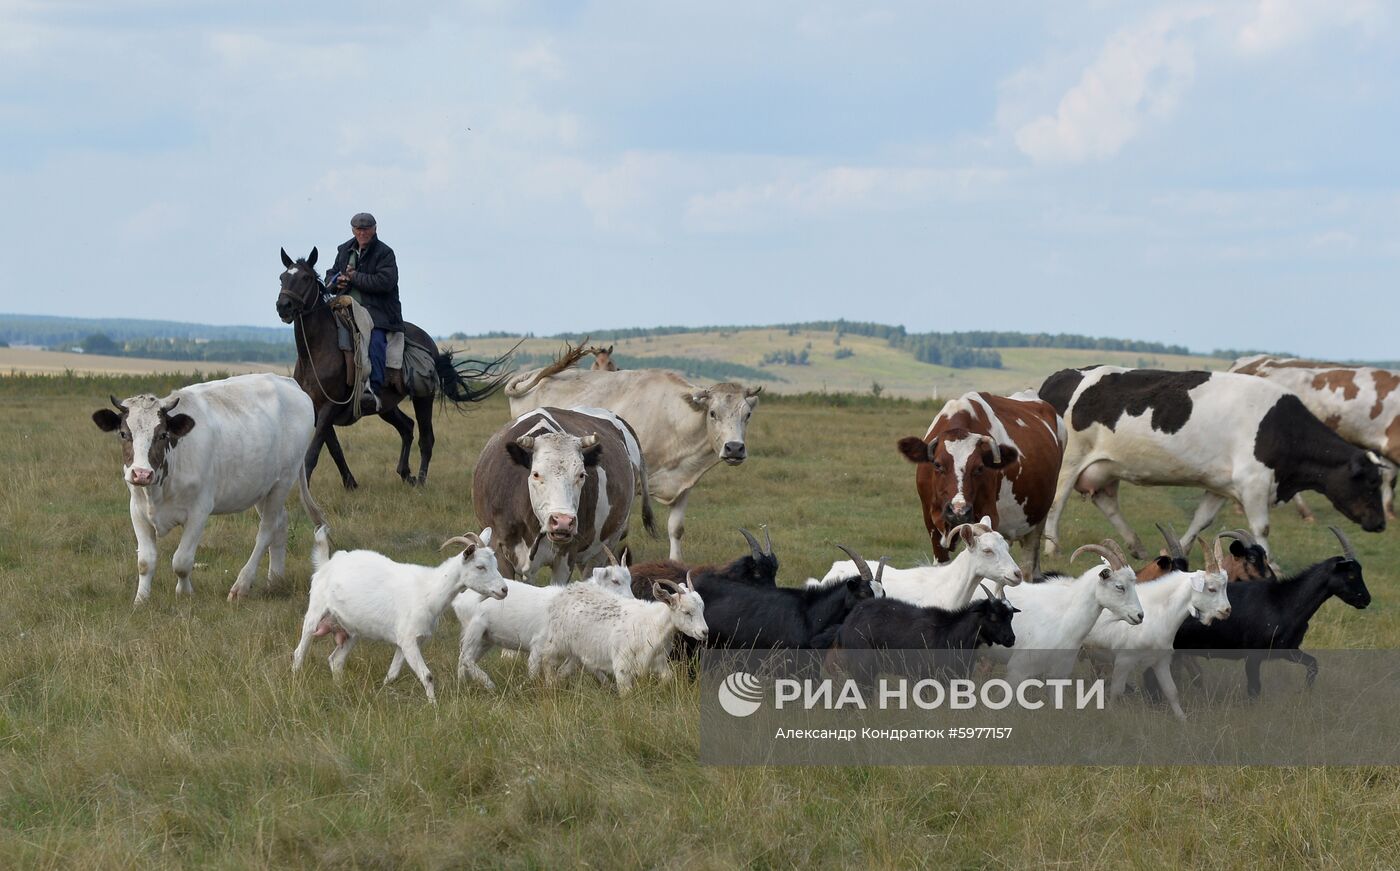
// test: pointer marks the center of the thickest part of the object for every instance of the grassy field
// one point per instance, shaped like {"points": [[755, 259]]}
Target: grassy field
{"points": [[174, 735]]}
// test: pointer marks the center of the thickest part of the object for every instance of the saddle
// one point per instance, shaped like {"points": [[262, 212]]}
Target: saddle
{"points": [[353, 328]]}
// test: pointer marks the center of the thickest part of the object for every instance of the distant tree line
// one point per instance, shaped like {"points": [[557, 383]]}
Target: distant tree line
{"points": [[213, 351], [48, 330]]}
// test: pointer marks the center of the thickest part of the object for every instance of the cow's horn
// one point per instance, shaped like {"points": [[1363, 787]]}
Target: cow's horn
{"points": [[171, 407], [119, 406], [1173, 543], [1346, 545], [996, 448], [753, 543], [861, 565]]}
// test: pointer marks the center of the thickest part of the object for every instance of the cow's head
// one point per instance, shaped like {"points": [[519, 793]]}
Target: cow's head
{"points": [[148, 430], [1354, 488], [727, 409], [967, 472], [602, 359], [558, 464]]}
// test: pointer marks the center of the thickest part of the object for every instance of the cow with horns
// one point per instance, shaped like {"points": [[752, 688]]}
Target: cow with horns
{"points": [[988, 455]]}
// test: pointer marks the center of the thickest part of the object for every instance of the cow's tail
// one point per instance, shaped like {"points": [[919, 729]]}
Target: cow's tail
{"points": [[464, 379], [313, 510], [648, 516], [321, 549], [570, 356]]}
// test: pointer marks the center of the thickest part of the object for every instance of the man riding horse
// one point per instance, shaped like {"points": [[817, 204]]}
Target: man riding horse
{"points": [[366, 270]]}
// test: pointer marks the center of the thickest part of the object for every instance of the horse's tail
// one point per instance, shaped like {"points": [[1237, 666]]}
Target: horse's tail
{"points": [[570, 356], [464, 379]]}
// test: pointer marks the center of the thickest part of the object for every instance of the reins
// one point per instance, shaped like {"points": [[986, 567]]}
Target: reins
{"points": [[310, 360]]}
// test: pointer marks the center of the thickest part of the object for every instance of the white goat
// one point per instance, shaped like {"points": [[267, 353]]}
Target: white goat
{"points": [[611, 636], [1058, 612], [516, 622], [1167, 601], [360, 593], [951, 585]]}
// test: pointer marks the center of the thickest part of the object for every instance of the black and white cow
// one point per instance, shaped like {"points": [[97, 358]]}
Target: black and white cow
{"points": [[1239, 437], [557, 486]]}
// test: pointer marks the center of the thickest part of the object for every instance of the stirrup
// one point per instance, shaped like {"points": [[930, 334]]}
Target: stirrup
{"points": [[369, 403]]}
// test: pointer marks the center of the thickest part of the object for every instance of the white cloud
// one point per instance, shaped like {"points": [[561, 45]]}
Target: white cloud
{"points": [[1278, 24], [1139, 76]]}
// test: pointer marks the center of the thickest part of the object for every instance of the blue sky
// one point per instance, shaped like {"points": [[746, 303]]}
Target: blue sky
{"points": [[1216, 174]]}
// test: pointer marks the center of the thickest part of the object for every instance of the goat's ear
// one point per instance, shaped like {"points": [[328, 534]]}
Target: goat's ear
{"points": [[1164, 563], [179, 425], [968, 536], [1237, 550], [915, 450], [1105, 573], [592, 450], [311, 258], [467, 554], [660, 593], [107, 420], [286, 261]]}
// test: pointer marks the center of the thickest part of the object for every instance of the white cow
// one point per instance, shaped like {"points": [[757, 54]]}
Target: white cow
{"points": [[684, 430], [220, 447]]}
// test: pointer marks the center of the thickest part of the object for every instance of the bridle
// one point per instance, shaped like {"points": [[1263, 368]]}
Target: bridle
{"points": [[317, 294]]}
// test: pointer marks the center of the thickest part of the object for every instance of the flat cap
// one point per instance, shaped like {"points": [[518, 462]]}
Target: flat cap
{"points": [[362, 221]]}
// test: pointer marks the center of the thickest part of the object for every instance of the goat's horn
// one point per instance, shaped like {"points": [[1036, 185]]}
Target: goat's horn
{"points": [[880, 569], [466, 541], [988, 590], [119, 406], [1213, 555], [767, 540], [953, 534], [1098, 549], [1246, 537], [672, 585], [861, 565], [689, 582], [1173, 543], [753, 542], [1235, 534], [1112, 544], [1346, 545], [612, 560]]}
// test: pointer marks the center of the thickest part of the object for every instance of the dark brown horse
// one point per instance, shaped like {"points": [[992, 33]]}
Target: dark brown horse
{"points": [[320, 371]]}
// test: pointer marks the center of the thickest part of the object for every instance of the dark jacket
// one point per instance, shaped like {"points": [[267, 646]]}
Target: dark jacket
{"points": [[377, 280]]}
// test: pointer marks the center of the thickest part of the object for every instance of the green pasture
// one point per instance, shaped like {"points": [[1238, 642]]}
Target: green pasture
{"points": [[174, 735]]}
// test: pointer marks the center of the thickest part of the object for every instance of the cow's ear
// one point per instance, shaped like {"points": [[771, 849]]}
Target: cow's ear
{"points": [[179, 425], [699, 399], [519, 454], [286, 260], [592, 450], [914, 450], [107, 420], [1009, 456], [311, 258]]}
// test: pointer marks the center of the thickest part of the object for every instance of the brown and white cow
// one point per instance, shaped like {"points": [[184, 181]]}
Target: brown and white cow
{"points": [[988, 455], [602, 358], [1361, 403], [557, 486]]}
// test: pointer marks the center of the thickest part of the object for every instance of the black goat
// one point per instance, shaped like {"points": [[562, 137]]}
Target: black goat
{"points": [[895, 625], [748, 616], [1269, 619], [759, 568], [1245, 560]]}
